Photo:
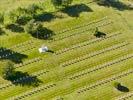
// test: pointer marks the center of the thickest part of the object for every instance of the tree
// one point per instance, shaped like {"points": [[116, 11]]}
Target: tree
{"points": [[42, 32], [117, 85], [1, 18], [1, 23], [23, 19], [8, 70], [13, 16], [120, 87], [20, 11], [67, 2], [32, 9], [37, 30], [56, 2], [29, 27], [2, 31], [99, 34], [61, 3]]}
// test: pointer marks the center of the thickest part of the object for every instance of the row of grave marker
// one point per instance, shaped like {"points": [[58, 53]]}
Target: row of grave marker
{"points": [[87, 56], [119, 60], [77, 33], [79, 26], [97, 68], [73, 47], [39, 89], [29, 42], [125, 97], [102, 82], [26, 64], [22, 78], [92, 41], [29, 62], [31, 92], [39, 73], [32, 40], [14, 52]]}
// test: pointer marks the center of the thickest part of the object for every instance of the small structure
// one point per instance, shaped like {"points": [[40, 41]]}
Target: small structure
{"points": [[43, 49]]}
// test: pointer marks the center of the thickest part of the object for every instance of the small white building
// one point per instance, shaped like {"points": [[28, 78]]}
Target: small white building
{"points": [[43, 49]]}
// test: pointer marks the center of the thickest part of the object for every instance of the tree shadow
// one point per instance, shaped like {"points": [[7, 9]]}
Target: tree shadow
{"points": [[99, 34], [115, 4], [11, 55], [75, 10], [45, 17], [24, 79], [43, 33], [123, 88], [15, 28]]}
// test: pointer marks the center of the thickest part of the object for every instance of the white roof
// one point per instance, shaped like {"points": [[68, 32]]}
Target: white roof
{"points": [[43, 49]]}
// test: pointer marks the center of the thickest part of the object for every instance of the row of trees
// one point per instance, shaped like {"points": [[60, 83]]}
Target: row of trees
{"points": [[24, 19], [23, 15]]}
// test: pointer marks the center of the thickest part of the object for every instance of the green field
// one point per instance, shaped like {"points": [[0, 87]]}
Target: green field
{"points": [[82, 66]]}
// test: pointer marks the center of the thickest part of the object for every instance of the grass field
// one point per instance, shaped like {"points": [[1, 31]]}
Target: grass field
{"points": [[82, 66]]}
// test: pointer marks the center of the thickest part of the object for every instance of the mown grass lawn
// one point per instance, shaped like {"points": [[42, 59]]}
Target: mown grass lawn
{"points": [[75, 52]]}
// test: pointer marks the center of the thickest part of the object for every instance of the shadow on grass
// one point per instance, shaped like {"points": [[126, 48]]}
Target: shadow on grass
{"points": [[43, 33], [51, 51], [75, 10], [15, 28], [45, 17], [99, 34], [24, 79], [115, 4], [123, 88], [23, 20], [11, 55]]}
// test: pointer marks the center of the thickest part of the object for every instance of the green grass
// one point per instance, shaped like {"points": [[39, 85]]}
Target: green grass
{"points": [[74, 41]]}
